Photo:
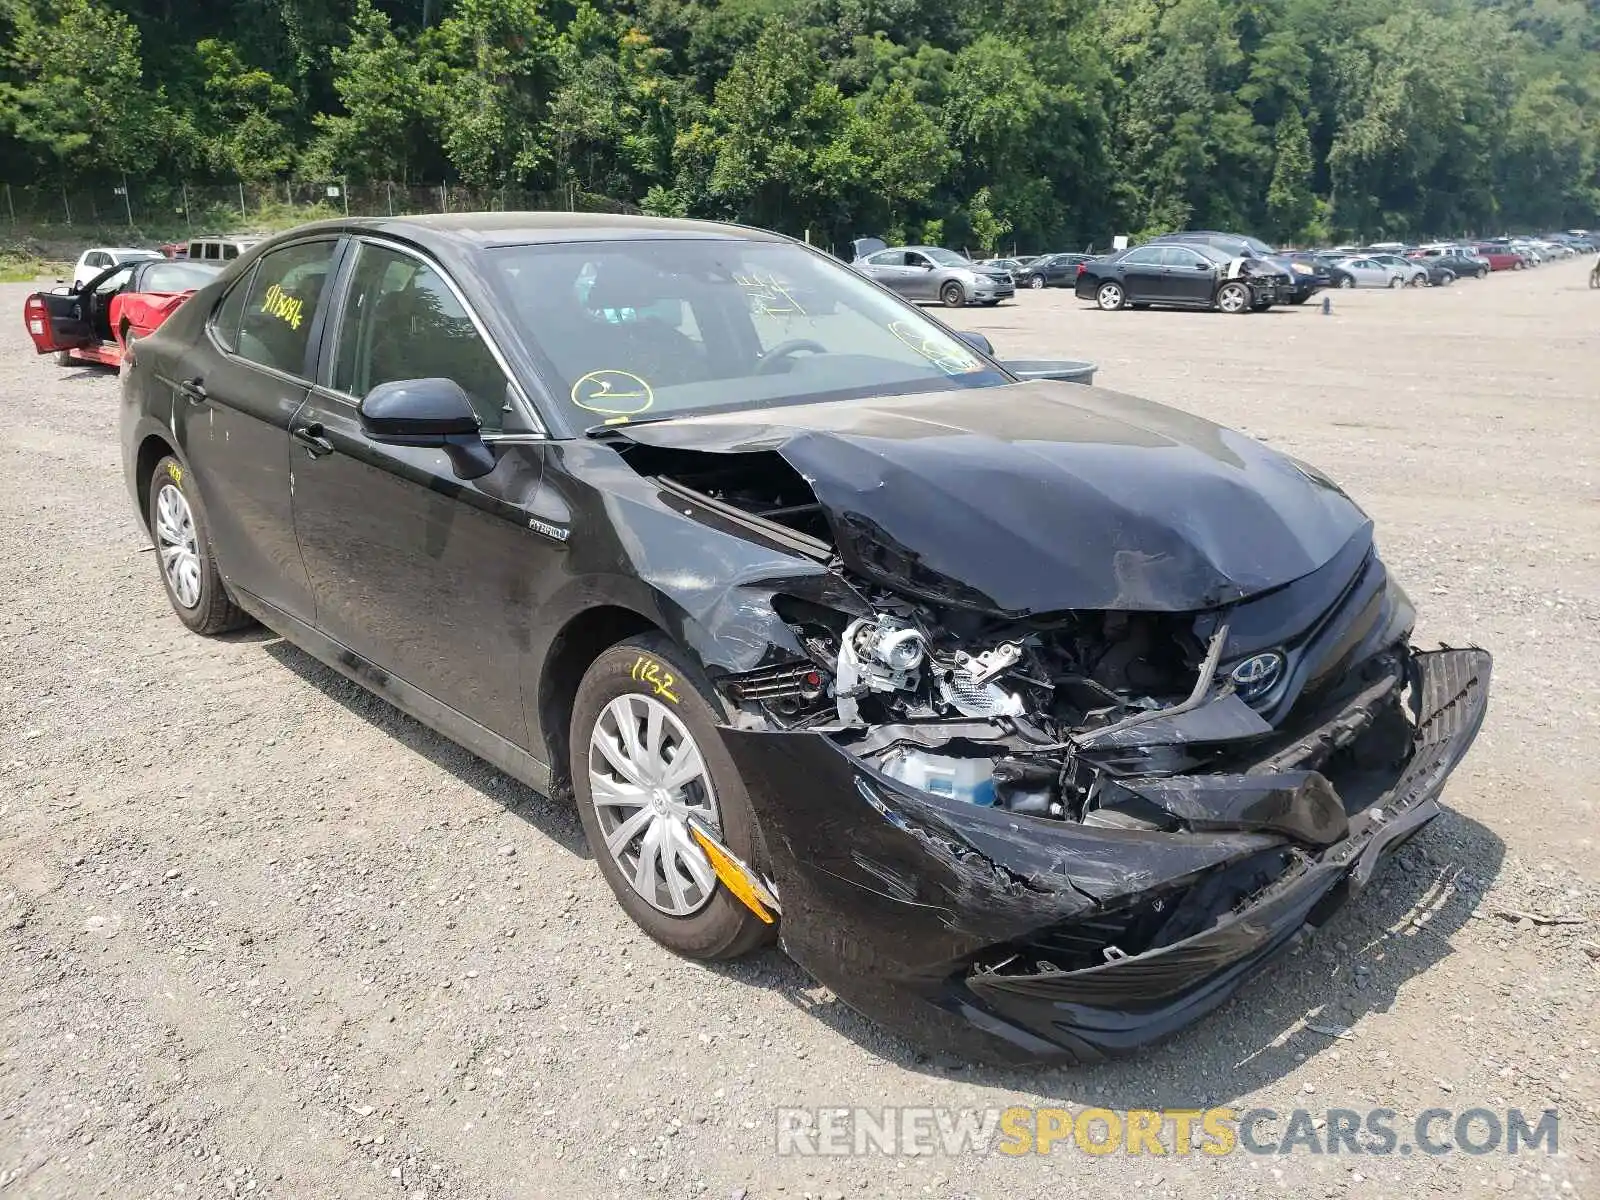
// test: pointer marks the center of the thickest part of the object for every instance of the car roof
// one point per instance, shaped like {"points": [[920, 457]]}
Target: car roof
{"points": [[477, 231], [120, 250]]}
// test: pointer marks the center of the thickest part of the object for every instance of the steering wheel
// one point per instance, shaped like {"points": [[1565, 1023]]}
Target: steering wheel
{"points": [[782, 351]]}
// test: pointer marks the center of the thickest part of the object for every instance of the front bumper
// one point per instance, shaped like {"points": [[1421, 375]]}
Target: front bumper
{"points": [[903, 904]]}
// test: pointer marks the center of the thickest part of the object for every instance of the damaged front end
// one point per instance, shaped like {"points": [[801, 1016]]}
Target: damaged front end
{"points": [[1057, 815]]}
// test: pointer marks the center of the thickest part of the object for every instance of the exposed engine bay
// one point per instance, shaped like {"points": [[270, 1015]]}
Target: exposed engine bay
{"points": [[1040, 715]]}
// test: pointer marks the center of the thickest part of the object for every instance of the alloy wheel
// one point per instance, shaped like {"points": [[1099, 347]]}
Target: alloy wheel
{"points": [[1233, 298], [647, 779], [1036, 282], [178, 545], [1109, 297]]}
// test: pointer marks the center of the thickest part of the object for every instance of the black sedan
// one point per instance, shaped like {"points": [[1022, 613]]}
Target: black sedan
{"points": [[1183, 276], [765, 569], [1052, 270]]}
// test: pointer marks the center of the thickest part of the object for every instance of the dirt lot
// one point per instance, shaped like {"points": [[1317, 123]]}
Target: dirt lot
{"points": [[264, 936]]}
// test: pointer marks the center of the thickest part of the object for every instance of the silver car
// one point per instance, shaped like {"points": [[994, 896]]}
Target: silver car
{"points": [[1365, 272], [1415, 274], [928, 273]]}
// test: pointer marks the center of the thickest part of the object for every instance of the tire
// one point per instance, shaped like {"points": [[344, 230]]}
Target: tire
{"points": [[1347, 281], [952, 295], [1395, 281], [1110, 296], [1036, 283], [1446, 279], [183, 553], [1234, 298], [714, 924], [1518, 265], [64, 359], [1481, 273]]}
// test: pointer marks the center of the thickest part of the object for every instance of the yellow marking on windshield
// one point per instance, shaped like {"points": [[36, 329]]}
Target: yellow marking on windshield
{"points": [[612, 393], [935, 348], [771, 298]]}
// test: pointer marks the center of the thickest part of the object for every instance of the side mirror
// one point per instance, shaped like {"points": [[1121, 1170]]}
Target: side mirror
{"points": [[977, 341], [430, 413]]}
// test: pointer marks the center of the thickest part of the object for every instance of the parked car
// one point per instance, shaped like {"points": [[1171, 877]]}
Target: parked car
{"points": [[1053, 270], [94, 261], [1365, 272], [929, 273], [1500, 258], [97, 322], [743, 583], [1182, 275], [1414, 274], [219, 249], [1304, 276], [1011, 266], [1455, 261]]}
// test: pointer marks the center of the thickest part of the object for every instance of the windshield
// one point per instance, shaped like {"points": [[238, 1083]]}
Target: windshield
{"points": [[947, 258], [179, 277], [1257, 247], [644, 328]]}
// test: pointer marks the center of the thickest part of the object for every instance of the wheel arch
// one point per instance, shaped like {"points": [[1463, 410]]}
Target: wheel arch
{"points": [[152, 449], [584, 638]]}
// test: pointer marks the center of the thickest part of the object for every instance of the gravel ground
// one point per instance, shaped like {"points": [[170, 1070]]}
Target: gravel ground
{"points": [[265, 936]]}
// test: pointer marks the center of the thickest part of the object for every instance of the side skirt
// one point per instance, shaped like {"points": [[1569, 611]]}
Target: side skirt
{"points": [[413, 701]]}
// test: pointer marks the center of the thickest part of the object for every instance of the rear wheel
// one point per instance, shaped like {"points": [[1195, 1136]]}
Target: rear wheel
{"points": [[64, 358], [1233, 298], [646, 758], [952, 295], [1110, 297], [183, 552], [1395, 281]]}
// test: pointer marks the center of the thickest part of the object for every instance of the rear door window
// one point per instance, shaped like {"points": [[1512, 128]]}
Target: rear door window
{"points": [[275, 326]]}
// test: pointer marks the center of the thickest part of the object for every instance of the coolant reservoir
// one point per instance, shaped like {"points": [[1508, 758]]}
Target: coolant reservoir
{"points": [[970, 780]]}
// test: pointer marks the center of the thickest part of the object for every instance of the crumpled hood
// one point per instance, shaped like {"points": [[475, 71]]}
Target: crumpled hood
{"points": [[1044, 496]]}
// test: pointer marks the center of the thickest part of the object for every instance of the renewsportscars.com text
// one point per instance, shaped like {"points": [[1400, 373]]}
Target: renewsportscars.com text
{"points": [[910, 1131]]}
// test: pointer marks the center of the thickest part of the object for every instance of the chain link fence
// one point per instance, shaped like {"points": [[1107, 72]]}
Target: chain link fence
{"points": [[214, 208]]}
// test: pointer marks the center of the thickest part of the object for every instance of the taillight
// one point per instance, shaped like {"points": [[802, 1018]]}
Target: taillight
{"points": [[1082, 268]]}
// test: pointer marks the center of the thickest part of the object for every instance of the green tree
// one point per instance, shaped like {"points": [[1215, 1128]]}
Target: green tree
{"points": [[382, 88], [1291, 205], [76, 97], [776, 117]]}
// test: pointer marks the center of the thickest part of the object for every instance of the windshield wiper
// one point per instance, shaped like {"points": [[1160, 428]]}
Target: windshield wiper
{"points": [[605, 427]]}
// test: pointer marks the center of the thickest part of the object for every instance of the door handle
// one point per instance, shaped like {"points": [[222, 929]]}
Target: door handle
{"points": [[194, 391], [310, 436]]}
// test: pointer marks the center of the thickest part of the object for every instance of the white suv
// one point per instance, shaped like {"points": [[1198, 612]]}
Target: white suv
{"points": [[100, 258]]}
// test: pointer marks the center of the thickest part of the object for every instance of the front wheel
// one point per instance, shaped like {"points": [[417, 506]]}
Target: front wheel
{"points": [[1395, 281], [1233, 298], [1037, 282], [646, 761], [183, 551], [1110, 297], [1346, 281], [952, 295]]}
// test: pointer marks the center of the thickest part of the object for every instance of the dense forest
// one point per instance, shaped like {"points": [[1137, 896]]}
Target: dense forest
{"points": [[1049, 122]]}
